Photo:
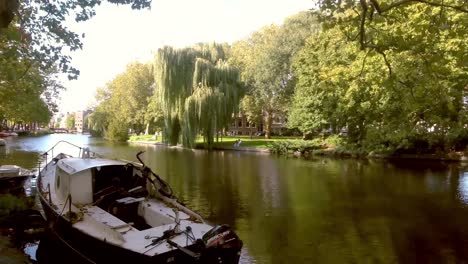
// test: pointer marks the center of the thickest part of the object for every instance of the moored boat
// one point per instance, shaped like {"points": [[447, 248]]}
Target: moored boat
{"points": [[116, 211], [8, 134], [13, 175]]}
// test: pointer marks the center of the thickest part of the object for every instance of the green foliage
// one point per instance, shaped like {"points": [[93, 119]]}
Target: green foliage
{"points": [[34, 47], [291, 146], [265, 62], [98, 122], [198, 92], [123, 103], [38, 30], [10, 204], [70, 122], [26, 92], [405, 89], [151, 138], [154, 117], [117, 131]]}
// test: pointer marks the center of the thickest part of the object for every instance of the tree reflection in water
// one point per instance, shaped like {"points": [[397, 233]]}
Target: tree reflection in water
{"points": [[289, 210]]}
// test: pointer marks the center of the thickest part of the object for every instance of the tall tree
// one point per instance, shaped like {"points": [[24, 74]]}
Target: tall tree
{"points": [[123, 102], [70, 121], [28, 98], [198, 90], [364, 13], [35, 45], [409, 89], [265, 61], [38, 31]]}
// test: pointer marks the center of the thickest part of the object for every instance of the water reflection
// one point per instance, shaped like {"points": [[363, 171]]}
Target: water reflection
{"points": [[463, 188], [317, 211]]}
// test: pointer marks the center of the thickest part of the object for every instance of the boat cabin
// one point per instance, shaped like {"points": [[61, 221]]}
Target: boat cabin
{"points": [[88, 180]]}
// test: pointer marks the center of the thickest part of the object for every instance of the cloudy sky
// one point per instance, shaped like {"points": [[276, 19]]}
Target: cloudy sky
{"points": [[118, 35]]}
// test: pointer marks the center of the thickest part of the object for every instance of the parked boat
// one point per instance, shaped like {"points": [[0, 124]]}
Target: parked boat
{"points": [[12, 175], [117, 211], [8, 134], [2, 142]]}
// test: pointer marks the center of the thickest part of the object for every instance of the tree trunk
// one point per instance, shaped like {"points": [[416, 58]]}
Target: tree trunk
{"points": [[147, 129], [268, 121]]}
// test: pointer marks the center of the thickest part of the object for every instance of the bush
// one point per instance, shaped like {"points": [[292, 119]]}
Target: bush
{"points": [[291, 146], [117, 131], [10, 204]]}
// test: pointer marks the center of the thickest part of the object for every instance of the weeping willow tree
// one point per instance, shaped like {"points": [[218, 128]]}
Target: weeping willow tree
{"points": [[198, 92]]}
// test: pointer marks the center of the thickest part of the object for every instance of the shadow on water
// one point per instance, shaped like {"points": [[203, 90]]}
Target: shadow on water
{"points": [[21, 224]]}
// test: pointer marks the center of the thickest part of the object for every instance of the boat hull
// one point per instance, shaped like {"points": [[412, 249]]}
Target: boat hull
{"points": [[92, 250], [16, 181], [13, 176]]}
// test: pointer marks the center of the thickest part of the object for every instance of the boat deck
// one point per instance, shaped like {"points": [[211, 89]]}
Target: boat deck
{"points": [[98, 223]]}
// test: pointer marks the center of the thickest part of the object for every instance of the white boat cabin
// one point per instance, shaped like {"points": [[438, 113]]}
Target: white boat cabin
{"points": [[88, 180]]}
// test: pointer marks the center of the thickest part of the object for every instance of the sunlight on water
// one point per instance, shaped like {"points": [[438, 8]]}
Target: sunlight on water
{"points": [[463, 188]]}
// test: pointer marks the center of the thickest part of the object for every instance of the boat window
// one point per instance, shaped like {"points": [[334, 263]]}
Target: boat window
{"points": [[108, 176], [58, 181]]}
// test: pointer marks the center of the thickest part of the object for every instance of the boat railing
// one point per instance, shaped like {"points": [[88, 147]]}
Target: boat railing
{"points": [[84, 152]]}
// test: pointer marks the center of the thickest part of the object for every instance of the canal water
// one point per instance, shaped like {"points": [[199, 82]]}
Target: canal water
{"points": [[289, 210]]}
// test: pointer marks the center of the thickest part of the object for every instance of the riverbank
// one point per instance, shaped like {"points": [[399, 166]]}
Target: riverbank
{"points": [[10, 254], [20, 225], [330, 147]]}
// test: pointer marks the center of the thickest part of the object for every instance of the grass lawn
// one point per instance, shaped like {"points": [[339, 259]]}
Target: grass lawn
{"points": [[150, 138], [227, 141], [247, 141]]}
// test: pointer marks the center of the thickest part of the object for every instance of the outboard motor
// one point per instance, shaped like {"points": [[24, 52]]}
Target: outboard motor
{"points": [[222, 245], [221, 236]]}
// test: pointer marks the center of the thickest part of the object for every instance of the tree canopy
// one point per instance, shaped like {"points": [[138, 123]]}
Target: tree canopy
{"points": [[364, 14], [265, 61], [409, 86], [35, 46], [123, 103], [199, 91]]}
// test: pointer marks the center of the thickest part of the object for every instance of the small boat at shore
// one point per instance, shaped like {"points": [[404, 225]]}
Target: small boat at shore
{"points": [[12, 175], [117, 211], [8, 134]]}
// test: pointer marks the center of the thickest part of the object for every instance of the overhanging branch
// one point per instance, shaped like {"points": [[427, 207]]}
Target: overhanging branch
{"points": [[381, 10]]}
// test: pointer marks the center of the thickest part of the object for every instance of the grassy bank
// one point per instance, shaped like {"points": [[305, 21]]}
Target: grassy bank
{"points": [[320, 146], [223, 142], [245, 141], [145, 138]]}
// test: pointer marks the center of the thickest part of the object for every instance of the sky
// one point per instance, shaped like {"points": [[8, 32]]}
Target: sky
{"points": [[118, 35]]}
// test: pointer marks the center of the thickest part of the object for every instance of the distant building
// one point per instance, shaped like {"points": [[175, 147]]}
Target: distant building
{"points": [[57, 121], [240, 126], [80, 121]]}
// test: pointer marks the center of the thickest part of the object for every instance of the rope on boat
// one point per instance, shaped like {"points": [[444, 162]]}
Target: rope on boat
{"points": [[63, 240], [63, 209]]}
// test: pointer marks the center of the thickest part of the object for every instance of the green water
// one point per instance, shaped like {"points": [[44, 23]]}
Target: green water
{"points": [[306, 211]]}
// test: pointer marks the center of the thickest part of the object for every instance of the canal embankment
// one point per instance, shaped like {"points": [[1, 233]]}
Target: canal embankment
{"points": [[328, 147]]}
